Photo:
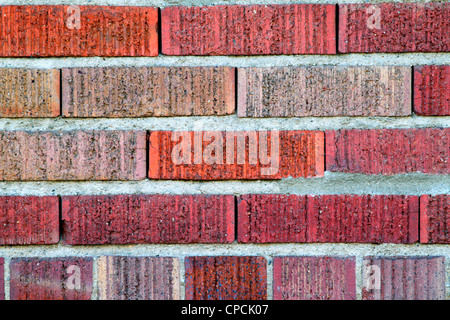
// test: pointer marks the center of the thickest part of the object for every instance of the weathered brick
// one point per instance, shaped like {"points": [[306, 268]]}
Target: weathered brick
{"points": [[314, 278], [432, 90], [435, 218], [72, 155], [394, 27], [63, 31], [67, 278], [388, 151], [403, 278], [324, 91], [249, 30], [2, 279], [125, 219], [29, 220], [328, 218], [31, 93], [216, 155], [138, 278], [148, 91], [226, 278]]}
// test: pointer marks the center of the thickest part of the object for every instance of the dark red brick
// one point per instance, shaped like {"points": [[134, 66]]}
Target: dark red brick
{"points": [[314, 278], [435, 218], [29, 220], [226, 278], [328, 218], [249, 30], [127, 219], [53, 31], [432, 90], [389, 151], [268, 155], [2, 279], [403, 278], [394, 27], [51, 278]]}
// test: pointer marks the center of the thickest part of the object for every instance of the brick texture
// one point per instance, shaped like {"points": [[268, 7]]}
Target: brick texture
{"points": [[226, 278], [394, 27], [314, 278], [324, 91], [328, 218], [72, 155], [148, 91], [404, 278], [249, 30], [215, 155], [2, 279], [388, 151], [29, 220], [125, 219], [435, 219], [63, 31], [31, 93], [147, 278], [51, 278], [432, 90]]}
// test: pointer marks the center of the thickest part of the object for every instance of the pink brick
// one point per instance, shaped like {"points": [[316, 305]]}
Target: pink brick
{"points": [[432, 90], [435, 219]]}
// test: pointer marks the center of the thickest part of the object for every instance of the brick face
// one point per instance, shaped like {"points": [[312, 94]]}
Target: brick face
{"points": [[394, 27], [2, 279], [127, 219], [148, 278], [148, 91], [72, 155], [324, 91], [432, 90], [51, 278], [314, 278], [29, 93], [377, 151], [226, 278], [54, 31], [249, 30], [29, 220], [435, 219], [328, 218]]}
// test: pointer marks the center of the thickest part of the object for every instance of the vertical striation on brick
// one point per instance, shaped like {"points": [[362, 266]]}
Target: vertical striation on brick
{"points": [[2, 279], [435, 218], [432, 90], [67, 278], [388, 151], [128, 219], [138, 278], [249, 30], [29, 220], [226, 278], [324, 91], [314, 278], [403, 278]]}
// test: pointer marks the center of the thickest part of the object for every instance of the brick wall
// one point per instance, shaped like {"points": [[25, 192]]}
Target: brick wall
{"points": [[259, 151]]}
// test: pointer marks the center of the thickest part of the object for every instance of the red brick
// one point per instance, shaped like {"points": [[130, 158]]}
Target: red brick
{"points": [[2, 279], [394, 27], [226, 278], [127, 219], [314, 278], [249, 30], [72, 155], [300, 154], [51, 278], [432, 90], [53, 31], [435, 218], [29, 220], [138, 278], [30, 93], [388, 151], [404, 278], [328, 218], [324, 91], [148, 91]]}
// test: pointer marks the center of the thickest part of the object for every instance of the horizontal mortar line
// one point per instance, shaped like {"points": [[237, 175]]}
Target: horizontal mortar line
{"points": [[331, 183], [353, 59], [223, 123]]}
